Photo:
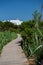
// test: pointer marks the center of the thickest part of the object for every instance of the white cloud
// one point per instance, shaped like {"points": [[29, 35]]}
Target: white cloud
{"points": [[17, 22]]}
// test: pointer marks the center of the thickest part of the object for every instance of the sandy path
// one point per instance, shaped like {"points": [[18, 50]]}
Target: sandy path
{"points": [[12, 54]]}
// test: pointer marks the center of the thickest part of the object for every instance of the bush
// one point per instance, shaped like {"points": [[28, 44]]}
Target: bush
{"points": [[33, 39]]}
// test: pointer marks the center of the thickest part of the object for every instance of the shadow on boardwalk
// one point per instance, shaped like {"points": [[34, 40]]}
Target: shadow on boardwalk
{"points": [[12, 54]]}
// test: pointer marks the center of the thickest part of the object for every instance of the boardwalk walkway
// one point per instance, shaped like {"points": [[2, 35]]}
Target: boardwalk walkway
{"points": [[12, 54]]}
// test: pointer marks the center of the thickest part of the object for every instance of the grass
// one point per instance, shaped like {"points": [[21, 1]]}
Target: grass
{"points": [[6, 37]]}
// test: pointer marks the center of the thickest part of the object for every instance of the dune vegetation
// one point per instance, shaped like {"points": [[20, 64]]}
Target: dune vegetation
{"points": [[6, 37]]}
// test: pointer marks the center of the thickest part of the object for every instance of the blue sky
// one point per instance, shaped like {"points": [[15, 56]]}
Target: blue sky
{"points": [[18, 9]]}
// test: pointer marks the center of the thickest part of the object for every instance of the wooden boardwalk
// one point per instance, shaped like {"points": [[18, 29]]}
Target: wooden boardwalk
{"points": [[12, 54]]}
